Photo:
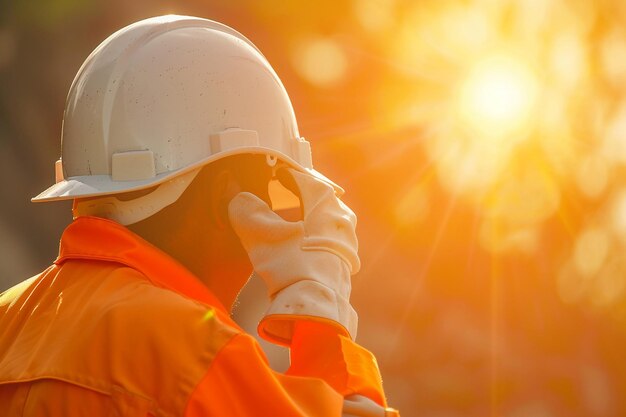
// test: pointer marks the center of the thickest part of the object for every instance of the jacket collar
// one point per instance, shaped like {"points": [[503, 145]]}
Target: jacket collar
{"points": [[94, 238]]}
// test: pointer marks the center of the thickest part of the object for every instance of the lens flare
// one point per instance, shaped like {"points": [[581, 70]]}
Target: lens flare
{"points": [[498, 97]]}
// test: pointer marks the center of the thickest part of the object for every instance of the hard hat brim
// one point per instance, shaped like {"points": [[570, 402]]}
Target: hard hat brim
{"points": [[85, 186]]}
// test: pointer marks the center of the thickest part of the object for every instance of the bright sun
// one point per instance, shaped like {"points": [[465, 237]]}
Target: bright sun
{"points": [[497, 98]]}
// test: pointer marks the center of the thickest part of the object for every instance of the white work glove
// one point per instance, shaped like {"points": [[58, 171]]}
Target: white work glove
{"points": [[360, 406], [306, 265]]}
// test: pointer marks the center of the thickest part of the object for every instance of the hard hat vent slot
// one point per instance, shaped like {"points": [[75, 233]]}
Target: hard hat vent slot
{"points": [[132, 166]]}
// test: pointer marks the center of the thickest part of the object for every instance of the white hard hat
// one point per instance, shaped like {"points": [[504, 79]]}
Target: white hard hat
{"points": [[161, 98]]}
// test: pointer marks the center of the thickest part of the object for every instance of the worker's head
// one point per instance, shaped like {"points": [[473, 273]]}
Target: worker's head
{"points": [[153, 118], [195, 229]]}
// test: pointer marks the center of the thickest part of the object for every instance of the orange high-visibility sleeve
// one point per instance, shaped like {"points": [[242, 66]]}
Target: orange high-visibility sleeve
{"points": [[319, 350], [240, 383]]}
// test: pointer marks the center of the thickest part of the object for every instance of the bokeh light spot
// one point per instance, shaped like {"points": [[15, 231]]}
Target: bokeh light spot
{"points": [[591, 250], [374, 15], [614, 144], [618, 215], [609, 285], [596, 390], [320, 61], [593, 175], [613, 57], [569, 60]]}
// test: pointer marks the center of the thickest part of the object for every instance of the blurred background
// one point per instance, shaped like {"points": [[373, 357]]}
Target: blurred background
{"points": [[482, 144]]}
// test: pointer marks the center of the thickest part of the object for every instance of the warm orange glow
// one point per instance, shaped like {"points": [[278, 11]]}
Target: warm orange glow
{"points": [[482, 145]]}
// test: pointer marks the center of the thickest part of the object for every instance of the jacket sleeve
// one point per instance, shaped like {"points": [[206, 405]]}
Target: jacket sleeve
{"points": [[325, 367], [321, 351], [240, 383]]}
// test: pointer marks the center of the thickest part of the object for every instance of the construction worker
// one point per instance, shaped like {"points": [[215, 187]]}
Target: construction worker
{"points": [[174, 127]]}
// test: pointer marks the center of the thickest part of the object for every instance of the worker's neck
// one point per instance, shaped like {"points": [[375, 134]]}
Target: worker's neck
{"points": [[207, 256]]}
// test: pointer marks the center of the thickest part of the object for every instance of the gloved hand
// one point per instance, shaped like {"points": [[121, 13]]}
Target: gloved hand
{"points": [[360, 406], [306, 264]]}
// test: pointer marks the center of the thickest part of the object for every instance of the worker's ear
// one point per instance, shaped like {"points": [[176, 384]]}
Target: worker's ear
{"points": [[222, 189]]}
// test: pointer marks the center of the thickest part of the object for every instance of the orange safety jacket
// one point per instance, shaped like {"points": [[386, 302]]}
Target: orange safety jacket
{"points": [[115, 327]]}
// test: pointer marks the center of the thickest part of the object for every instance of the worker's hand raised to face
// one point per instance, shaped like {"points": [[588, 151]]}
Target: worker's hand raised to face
{"points": [[306, 264]]}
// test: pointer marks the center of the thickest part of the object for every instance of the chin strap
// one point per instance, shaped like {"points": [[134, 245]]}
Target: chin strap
{"points": [[133, 211]]}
